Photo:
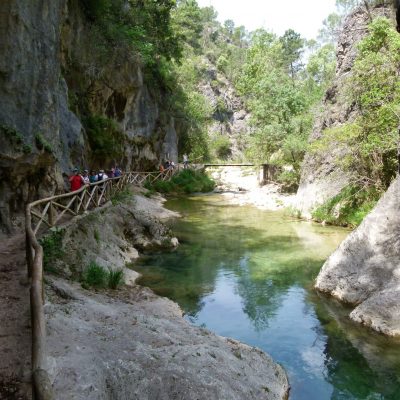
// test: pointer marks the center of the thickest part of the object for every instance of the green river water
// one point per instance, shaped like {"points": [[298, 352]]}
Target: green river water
{"points": [[248, 274]]}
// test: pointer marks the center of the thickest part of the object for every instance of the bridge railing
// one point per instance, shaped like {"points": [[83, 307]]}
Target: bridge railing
{"points": [[50, 212]]}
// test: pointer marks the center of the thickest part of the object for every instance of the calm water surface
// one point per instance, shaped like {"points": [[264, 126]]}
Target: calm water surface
{"points": [[248, 274]]}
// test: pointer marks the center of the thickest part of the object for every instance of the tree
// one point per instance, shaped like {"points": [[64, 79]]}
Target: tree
{"points": [[292, 45]]}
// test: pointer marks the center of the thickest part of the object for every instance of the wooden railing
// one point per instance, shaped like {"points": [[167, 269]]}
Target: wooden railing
{"points": [[50, 212]]}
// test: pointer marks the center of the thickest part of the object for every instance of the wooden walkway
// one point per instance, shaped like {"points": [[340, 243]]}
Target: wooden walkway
{"points": [[50, 212]]}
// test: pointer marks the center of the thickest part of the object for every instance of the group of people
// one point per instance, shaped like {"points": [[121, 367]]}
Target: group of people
{"points": [[78, 179], [170, 165]]}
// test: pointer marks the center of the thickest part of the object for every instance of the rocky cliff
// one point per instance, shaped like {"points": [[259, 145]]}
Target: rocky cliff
{"points": [[58, 89], [365, 270], [321, 176], [230, 118]]}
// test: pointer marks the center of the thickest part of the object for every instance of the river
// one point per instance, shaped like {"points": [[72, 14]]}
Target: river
{"points": [[248, 274]]}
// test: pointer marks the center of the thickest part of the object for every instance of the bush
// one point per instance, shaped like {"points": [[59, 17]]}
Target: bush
{"points": [[349, 207], [42, 143], [186, 181], [115, 278], [222, 147], [95, 276], [289, 181], [52, 250], [122, 196]]}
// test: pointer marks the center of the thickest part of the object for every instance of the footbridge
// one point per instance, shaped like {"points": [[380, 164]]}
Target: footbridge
{"points": [[267, 173]]}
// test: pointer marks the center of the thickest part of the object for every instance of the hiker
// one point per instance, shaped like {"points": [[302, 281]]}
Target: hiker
{"points": [[161, 168], [101, 176], [85, 177], [117, 172], [76, 180], [111, 173], [172, 164], [167, 165], [185, 161], [92, 177]]}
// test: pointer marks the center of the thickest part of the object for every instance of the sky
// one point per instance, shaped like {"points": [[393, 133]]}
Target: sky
{"points": [[304, 16]]}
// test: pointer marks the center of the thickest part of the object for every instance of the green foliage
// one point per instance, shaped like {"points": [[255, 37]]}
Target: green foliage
{"points": [[96, 236], [42, 143], [349, 207], [105, 138], [186, 181], [373, 88], [221, 147], [12, 134], [16, 138], [289, 180], [121, 197], [52, 250], [95, 276], [115, 278]]}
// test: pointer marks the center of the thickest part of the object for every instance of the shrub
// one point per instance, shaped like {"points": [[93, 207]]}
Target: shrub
{"points": [[122, 196], [115, 278], [289, 180], [42, 143], [95, 276], [349, 207], [186, 181], [52, 249], [222, 147]]}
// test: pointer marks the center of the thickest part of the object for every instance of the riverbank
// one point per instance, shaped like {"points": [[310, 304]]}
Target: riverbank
{"points": [[139, 343], [241, 186]]}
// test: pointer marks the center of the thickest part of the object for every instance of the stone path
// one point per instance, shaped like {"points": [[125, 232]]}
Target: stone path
{"points": [[15, 325]]}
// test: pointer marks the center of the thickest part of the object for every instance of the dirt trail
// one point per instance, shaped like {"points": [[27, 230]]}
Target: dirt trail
{"points": [[15, 325]]}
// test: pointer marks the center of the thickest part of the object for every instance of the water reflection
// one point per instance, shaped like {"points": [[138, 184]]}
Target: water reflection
{"points": [[248, 274]]}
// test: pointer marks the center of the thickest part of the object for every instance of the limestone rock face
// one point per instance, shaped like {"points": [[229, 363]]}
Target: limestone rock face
{"points": [[48, 65], [321, 177], [365, 269], [230, 119]]}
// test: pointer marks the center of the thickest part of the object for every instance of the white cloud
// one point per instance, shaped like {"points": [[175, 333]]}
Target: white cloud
{"points": [[304, 16]]}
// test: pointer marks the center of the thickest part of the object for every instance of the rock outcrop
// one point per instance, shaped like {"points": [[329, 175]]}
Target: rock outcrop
{"points": [[130, 343], [365, 270], [321, 176], [230, 119], [52, 76]]}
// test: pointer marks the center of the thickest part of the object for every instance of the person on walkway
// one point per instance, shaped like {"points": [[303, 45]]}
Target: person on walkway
{"points": [[85, 177], [111, 173], [76, 180], [117, 172], [92, 177], [185, 161], [161, 168], [167, 165], [101, 176]]}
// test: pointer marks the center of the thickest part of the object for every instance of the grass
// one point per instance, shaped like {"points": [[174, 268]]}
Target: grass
{"points": [[349, 207], [122, 196], [115, 278], [186, 181], [96, 276], [52, 250]]}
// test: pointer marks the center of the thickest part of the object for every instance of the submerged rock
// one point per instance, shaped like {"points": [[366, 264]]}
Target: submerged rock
{"points": [[365, 269]]}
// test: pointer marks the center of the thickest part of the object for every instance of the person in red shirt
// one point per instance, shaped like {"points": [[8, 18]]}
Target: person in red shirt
{"points": [[76, 180]]}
